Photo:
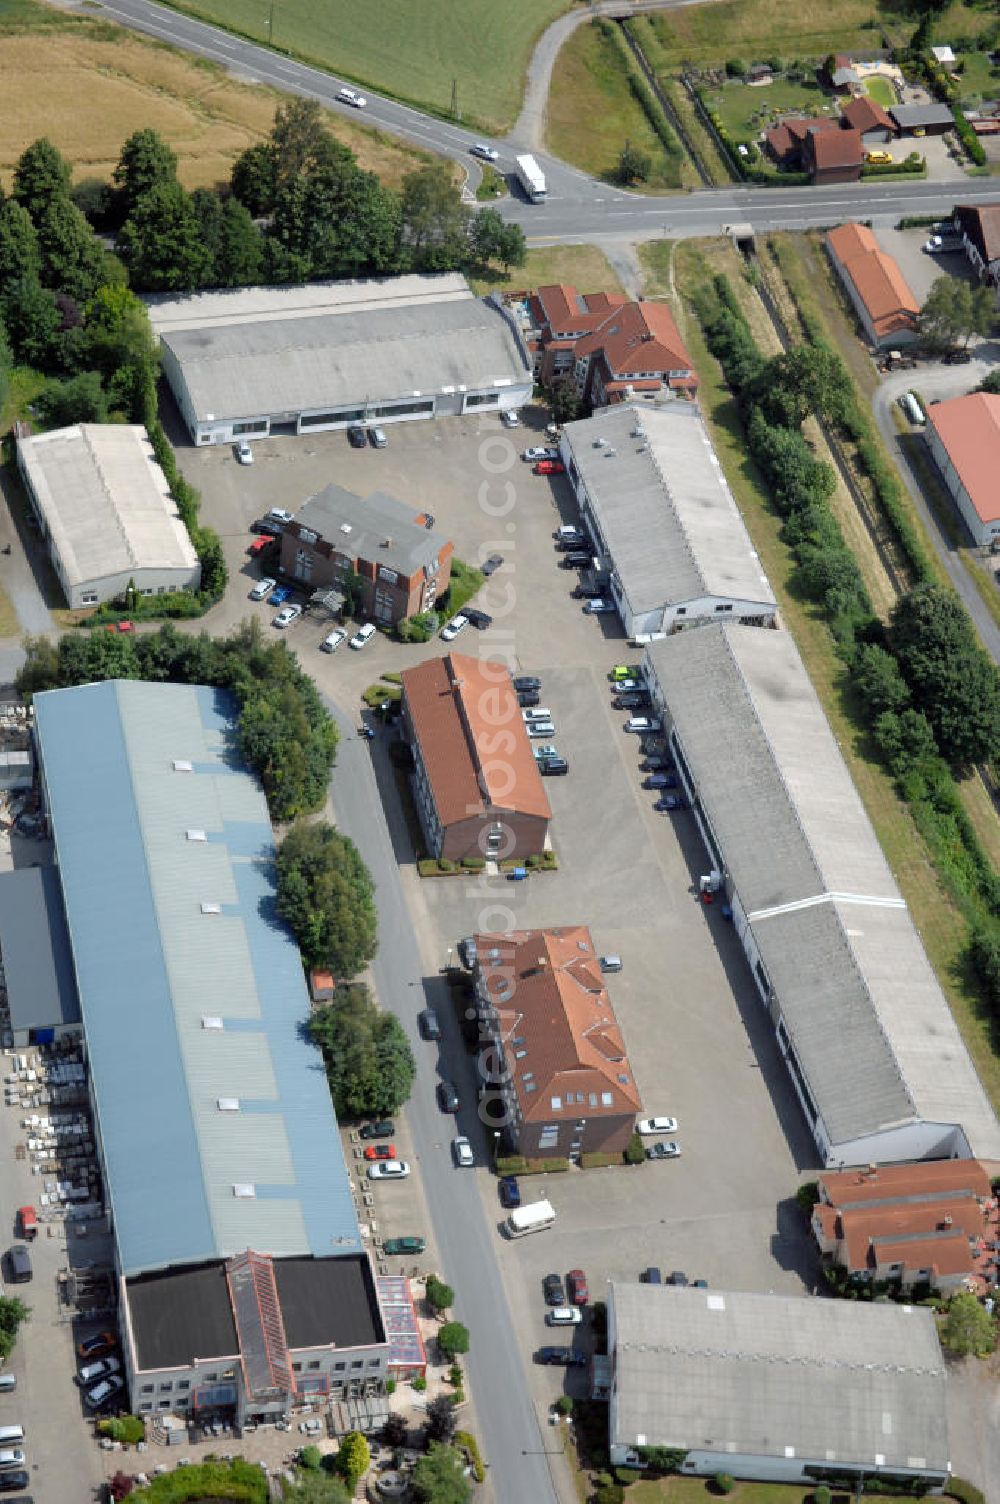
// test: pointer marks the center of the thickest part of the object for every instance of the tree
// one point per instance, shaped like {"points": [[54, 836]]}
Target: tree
{"points": [[439, 1295], [6, 365], [369, 1063], [954, 310], [486, 235], [19, 252], [81, 399], [161, 242], [435, 222], [311, 1457], [985, 954], [41, 177], [634, 166], [354, 1458], [806, 379], [146, 162], [439, 1477], [32, 321], [240, 249], [300, 140], [442, 1422], [395, 1430], [877, 676], [453, 1339], [990, 383], [325, 893], [565, 400], [254, 178], [950, 677], [12, 1313], [513, 248], [968, 1329], [73, 259]]}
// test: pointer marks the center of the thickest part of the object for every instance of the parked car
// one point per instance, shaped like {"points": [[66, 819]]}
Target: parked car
{"points": [[585, 592], [525, 682], [678, 1277], [377, 438], [462, 1152], [561, 1357], [15, 1479], [11, 1457], [553, 1290], [492, 564], [657, 762], [262, 588], [621, 671], [640, 724], [667, 1149], [447, 1097], [451, 629], [610, 963], [356, 436], [405, 1245], [637, 699], [878, 158], [487, 153], [536, 452], [599, 606], [476, 618], [549, 467], [286, 616], [363, 636], [536, 713], [390, 1169], [331, 642], [699, 1284], [244, 453], [564, 1316], [266, 527], [671, 802], [467, 952], [509, 418], [281, 515], [510, 1191], [93, 1347], [352, 97], [576, 1287], [628, 686], [567, 536], [540, 728], [382, 1128], [576, 559], [547, 749], [527, 698], [650, 1276], [280, 595], [429, 1024], [259, 545], [428, 520], [376, 1152], [957, 357], [657, 1125], [553, 767], [660, 781], [91, 1372]]}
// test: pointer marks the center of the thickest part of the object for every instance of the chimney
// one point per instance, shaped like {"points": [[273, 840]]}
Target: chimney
{"points": [[946, 1221], [387, 543]]}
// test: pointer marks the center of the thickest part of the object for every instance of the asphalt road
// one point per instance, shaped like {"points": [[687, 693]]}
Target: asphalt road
{"points": [[511, 1440], [579, 208]]}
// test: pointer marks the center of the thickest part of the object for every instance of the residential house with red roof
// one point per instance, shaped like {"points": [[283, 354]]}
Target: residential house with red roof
{"points": [[558, 1076], [612, 348], [964, 437], [932, 1223], [882, 299], [834, 156], [864, 115], [475, 781]]}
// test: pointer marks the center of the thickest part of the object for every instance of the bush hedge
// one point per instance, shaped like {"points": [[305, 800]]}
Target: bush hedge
{"points": [[470, 1446], [971, 144], [239, 1480]]}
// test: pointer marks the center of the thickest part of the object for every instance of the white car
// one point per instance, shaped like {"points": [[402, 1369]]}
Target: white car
{"points": [[462, 1151], [362, 638], [539, 453], [352, 97], [244, 453], [509, 418], [536, 713], [453, 627], [286, 616], [389, 1169], [540, 728], [641, 724], [332, 642], [262, 588], [103, 1391], [564, 1316], [658, 1125], [667, 1148], [279, 514], [486, 152]]}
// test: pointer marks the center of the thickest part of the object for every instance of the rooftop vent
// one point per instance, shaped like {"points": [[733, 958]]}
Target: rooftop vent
{"points": [[345, 527], [244, 1190], [211, 908], [181, 765], [228, 1104], [210, 1021], [386, 542], [197, 835]]}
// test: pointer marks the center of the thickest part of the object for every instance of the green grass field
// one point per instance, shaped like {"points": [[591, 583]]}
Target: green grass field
{"points": [[881, 90], [413, 49], [746, 110]]}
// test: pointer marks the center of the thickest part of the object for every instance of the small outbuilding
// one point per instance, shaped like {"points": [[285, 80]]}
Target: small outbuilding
{"points": [[923, 119]]}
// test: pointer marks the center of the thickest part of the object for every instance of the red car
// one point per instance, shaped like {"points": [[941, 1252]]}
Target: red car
{"points": [[576, 1287], [258, 546], [120, 626], [93, 1347], [550, 467], [380, 1151]]}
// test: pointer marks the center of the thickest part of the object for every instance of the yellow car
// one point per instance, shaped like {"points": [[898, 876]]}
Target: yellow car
{"points": [[878, 158]]}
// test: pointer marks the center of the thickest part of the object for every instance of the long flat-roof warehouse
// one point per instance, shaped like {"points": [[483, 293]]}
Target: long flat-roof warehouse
{"points": [[273, 360], [874, 1053]]}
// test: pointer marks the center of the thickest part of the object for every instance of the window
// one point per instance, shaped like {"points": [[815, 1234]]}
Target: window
{"points": [[357, 1363], [296, 1368], [146, 1406], [146, 1389], [339, 1367], [607, 1100], [374, 1362], [167, 1386], [164, 1404], [556, 1104], [183, 1383], [89, 598], [313, 1365], [259, 425], [481, 399], [723, 608]]}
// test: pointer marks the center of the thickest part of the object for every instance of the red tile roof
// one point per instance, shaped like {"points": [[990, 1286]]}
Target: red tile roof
{"points": [[562, 1041], [863, 114], [790, 134], [969, 429], [981, 222], [566, 312], [831, 149], [877, 279], [474, 747], [638, 337], [890, 1182]]}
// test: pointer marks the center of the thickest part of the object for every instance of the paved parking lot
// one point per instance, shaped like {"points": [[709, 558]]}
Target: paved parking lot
{"points": [[920, 269]]}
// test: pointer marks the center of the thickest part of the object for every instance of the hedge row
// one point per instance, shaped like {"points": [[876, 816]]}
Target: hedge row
{"points": [[747, 166], [914, 164], [970, 141], [642, 93]]}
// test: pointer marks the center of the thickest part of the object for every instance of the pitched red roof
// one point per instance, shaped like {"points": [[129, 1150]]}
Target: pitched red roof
{"points": [[565, 311], [562, 1042], [474, 747], [877, 279], [836, 148], [639, 336], [969, 429], [981, 222], [863, 114]]}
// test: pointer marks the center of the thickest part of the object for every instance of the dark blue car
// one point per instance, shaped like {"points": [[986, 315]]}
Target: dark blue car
{"points": [[510, 1192], [279, 595]]}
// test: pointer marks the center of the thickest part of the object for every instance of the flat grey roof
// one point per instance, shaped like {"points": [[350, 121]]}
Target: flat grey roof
{"points": [[385, 350], [215, 1117], [380, 529], [34, 944], [907, 116], [760, 1374], [871, 1027], [661, 500], [105, 501], [243, 305]]}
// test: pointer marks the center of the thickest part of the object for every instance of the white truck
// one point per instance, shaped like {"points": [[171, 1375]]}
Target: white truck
{"points": [[531, 178], [533, 1218]]}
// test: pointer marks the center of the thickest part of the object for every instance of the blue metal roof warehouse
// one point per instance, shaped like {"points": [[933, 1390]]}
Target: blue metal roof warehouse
{"points": [[213, 1111]]}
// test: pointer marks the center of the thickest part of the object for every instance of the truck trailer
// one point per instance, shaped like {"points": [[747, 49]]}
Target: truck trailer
{"points": [[531, 178]]}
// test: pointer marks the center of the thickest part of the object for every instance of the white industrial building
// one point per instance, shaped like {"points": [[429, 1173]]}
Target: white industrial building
{"points": [[873, 1051], [105, 511], [254, 361], [668, 534], [776, 1387]]}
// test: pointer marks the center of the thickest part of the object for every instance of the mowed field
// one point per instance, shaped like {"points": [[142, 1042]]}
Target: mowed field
{"points": [[413, 49], [88, 87]]}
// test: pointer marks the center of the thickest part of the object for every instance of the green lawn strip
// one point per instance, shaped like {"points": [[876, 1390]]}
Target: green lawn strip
{"points": [[583, 266]]}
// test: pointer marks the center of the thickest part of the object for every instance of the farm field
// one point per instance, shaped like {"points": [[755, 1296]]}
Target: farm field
{"points": [[414, 50], [92, 85]]}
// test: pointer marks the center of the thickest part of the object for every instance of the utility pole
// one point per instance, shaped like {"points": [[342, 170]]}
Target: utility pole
{"points": [[270, 24], [454, 99]]}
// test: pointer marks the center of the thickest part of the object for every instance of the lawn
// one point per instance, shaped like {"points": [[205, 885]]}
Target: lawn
{"points": [[415, 50], [592, 112], [881, 91], [587, 268], [92, 85], [676, 1490], [980, 79], [746, 111]]}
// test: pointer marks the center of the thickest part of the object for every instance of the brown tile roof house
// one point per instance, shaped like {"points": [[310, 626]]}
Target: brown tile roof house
{"points": [[881, 296], [562, 1082], [864, 115], [476, 783], [606, 342], [934, 1221], [964, 438], [834, 156], [979, 227], [785, 142]]}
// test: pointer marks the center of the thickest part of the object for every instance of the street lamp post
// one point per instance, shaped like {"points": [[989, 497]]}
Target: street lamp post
{"points": [[270, 23]]}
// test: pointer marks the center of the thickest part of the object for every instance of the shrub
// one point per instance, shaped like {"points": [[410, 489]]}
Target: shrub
{"points": [[821, 1495], [453, 1339], [311, 1458], [807, 1196], [723, 1483], [962, 1489], [128, 1429], [419, 1383], [439, 1295], [470, 1447], [395, 1430], [609, 1493], [736, 67], [564, 1405], [473, 863], [635, 1154]]}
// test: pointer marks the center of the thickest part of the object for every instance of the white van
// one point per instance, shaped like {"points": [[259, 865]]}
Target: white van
{"points": [[539, 713], [533, 1218], [11, 1457], [10, 1434], [912, 409]]}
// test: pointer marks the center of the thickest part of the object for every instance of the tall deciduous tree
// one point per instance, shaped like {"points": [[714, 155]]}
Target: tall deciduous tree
{"points": [[969, 1329], [161, 242], [325, 892], [32, 321], [354, 1458], [145, 163], [74, 261], [439, 1477], [19, 252], [240, 252], [254, 178], [435, 222], [369, 1063], [954, 311], [949, 675], [41, 177], [301, 140]]}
